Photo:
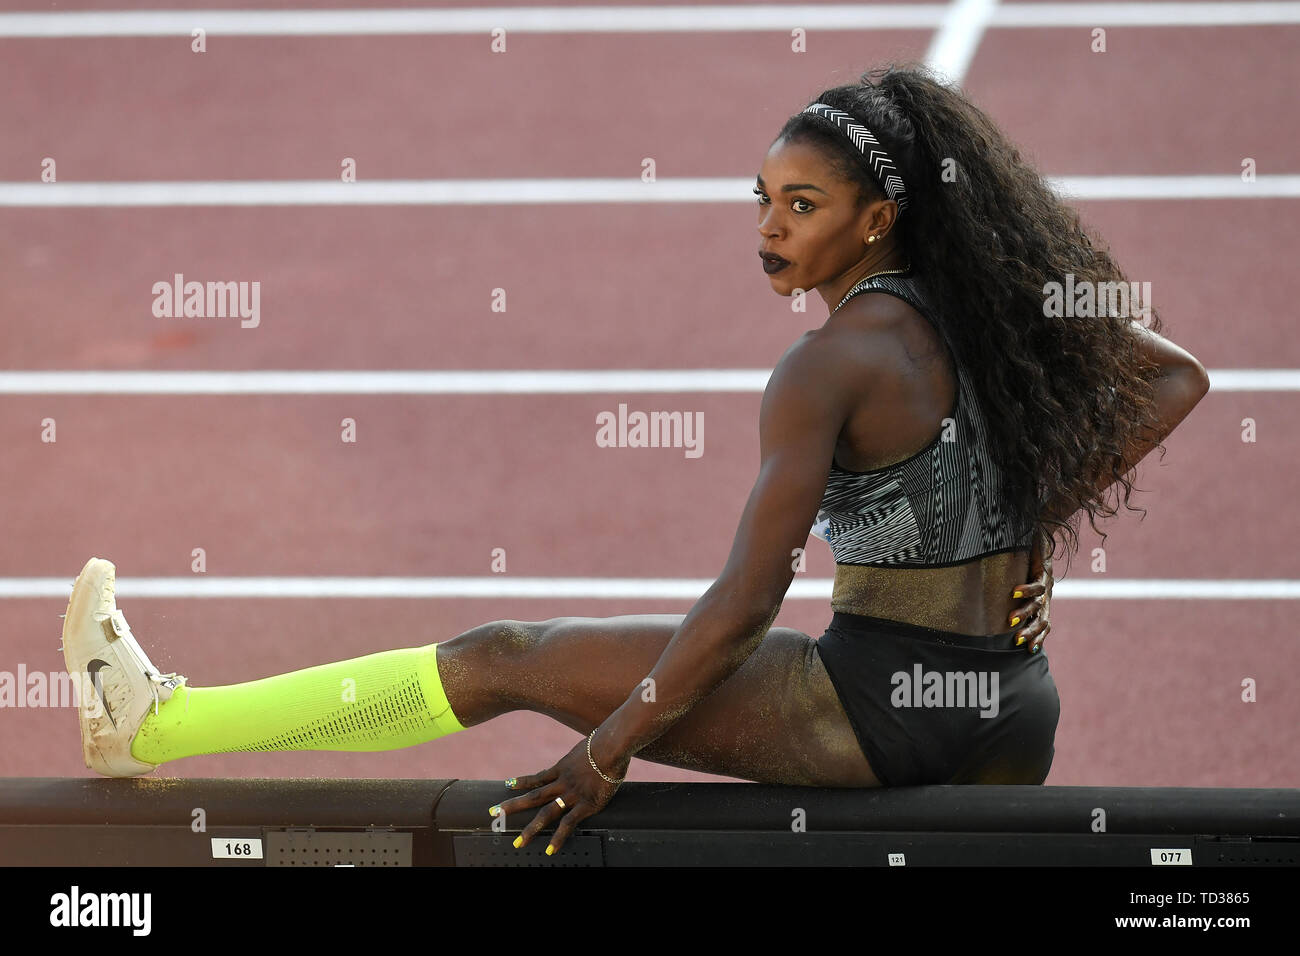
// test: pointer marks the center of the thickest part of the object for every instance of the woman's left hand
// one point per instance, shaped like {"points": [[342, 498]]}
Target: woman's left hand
{"points": [[583, 791], [1033, 617]]}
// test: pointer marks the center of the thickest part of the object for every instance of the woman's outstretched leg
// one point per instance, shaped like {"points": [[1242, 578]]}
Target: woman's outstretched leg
{"points": [[134, 718], [776, 720]]}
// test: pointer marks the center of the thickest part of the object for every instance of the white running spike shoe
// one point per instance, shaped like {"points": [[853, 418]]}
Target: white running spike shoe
{"points": [[118, 683]]}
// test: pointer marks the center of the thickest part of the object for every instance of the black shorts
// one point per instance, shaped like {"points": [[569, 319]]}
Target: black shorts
{"points": [[933, 707]]}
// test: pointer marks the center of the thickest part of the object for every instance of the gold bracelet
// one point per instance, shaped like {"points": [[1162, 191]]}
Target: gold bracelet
{"points": [[593, 762]]}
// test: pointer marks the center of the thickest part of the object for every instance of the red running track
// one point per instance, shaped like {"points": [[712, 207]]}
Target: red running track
{"points": [[1150, 688]]}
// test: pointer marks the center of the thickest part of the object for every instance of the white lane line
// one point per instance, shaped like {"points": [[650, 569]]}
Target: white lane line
{"points": [[953, 46], [468, 192], [674, 18], [1254, 380], [1175, 187], [418, 192], [1144, 14], [597, 588], [528, 382]]}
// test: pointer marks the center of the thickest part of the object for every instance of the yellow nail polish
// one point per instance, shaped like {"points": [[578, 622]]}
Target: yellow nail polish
{"points": [[519, 841], [493, 811], [1015, 621], [549, 850], [1017, 594], [1019, 642]]}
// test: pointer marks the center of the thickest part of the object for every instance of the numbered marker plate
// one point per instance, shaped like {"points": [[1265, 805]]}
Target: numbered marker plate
{"points": [[1174, 857], [230, 848]]}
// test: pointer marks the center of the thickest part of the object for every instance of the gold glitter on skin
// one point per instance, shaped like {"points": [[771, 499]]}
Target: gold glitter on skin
{"points": [[579, 670], [972, 599]]}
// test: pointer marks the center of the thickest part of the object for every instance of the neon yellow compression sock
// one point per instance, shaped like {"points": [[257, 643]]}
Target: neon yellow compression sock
{"points": [[381, 701]]}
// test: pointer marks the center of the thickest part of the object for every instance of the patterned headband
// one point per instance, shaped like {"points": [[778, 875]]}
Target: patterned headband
{"points": [[882, 166]]}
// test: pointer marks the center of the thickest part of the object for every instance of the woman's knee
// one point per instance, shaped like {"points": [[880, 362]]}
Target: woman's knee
{"points": [[499, 641]]}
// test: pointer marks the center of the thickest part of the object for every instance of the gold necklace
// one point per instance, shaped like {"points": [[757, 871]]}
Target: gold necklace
{"points": [[885, 272]]}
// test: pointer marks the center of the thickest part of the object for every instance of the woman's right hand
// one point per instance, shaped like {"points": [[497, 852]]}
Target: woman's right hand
{"points": [[1034, 614]]}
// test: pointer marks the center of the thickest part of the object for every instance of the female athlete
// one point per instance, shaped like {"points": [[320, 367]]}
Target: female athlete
{"points": [[945, 422]]}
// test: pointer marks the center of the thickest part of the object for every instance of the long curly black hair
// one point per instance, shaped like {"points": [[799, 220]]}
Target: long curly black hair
{"points": [[1063, 396]]}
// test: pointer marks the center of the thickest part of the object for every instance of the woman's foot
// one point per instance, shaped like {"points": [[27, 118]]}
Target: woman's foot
{"points": [[119, 685]]}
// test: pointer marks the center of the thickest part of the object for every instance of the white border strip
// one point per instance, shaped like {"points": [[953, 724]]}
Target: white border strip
{"points": [[676, 18], [530, 382], [599, 588], [467, 192]]}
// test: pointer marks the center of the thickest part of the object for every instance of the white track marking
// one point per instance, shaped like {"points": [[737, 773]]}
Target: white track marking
{"points": [[953, 46], [675, 18], [471, 382], [511, 192], [599, 588]]}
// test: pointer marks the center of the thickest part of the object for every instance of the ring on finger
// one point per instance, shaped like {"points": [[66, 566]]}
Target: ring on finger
{"points": [[560, 801]]}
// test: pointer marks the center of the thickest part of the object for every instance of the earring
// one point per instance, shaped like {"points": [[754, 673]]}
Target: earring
{"points": [[871, 238]]}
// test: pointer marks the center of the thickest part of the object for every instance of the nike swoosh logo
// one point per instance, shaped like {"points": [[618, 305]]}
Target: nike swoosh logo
{"points": [[93, 669]]}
